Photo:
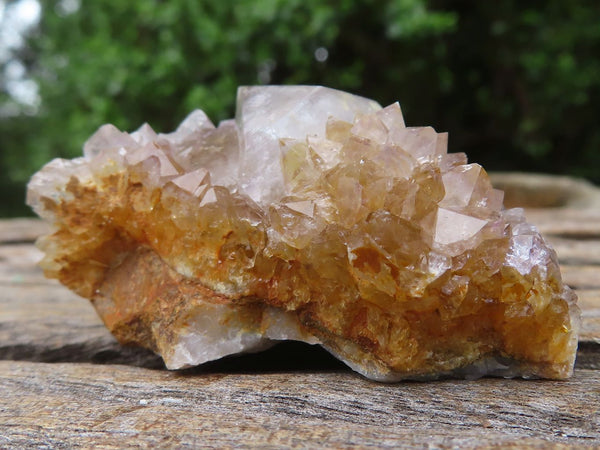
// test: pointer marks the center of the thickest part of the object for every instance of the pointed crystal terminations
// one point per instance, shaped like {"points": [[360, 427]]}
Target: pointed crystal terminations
{"points": [[315, 216]]}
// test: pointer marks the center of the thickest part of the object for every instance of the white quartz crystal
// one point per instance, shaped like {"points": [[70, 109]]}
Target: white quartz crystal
{"points": [[267, 114]]}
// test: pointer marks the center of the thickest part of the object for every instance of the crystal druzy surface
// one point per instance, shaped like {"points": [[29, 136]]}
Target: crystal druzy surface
{"points": [[315, 216]]}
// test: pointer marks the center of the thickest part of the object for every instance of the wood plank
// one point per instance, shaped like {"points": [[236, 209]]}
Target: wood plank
{"points": [[576, 252], [22, 229], [581, 277], [589, 302], [545, 191], [49, 323], [19, 265], [57, 405], [565, 222]]}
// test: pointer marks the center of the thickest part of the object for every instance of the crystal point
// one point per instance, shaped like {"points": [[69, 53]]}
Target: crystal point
{"points": [[315, 216]]}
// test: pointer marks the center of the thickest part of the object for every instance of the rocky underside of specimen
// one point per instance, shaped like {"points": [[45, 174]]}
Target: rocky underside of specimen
{"points": [[314, 215]]}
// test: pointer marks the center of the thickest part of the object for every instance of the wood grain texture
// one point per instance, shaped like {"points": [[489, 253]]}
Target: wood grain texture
{"points": [[576, 252], [589, 302], [581, 224], [89, 405], [22, 230], [66, 382], [581, 277]]}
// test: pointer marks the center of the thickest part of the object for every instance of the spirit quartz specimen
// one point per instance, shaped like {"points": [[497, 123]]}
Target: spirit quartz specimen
{"points": [[314, 216]]}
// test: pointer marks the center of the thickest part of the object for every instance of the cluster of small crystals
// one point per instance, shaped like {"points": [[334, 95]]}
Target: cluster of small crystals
{"points": [[394, 253]]}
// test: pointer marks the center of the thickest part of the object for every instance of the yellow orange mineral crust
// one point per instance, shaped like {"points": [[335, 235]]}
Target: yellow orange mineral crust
{"points": [[315, 216]]}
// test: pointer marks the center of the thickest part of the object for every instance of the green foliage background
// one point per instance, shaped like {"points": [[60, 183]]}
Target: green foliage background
{"points": [[517, 84]]}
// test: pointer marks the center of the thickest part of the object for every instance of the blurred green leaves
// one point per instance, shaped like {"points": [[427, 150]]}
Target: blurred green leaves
{"points": [[411, 18], [517, 85]]}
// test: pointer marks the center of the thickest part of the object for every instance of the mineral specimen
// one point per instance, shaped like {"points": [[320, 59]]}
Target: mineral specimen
{"points": [[315, 216]]}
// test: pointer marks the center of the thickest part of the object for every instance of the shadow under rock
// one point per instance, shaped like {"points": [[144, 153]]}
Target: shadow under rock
{"points": [[588, 356], [288, 356]]}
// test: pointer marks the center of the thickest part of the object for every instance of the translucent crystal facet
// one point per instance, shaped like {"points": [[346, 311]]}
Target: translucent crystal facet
{"points": [[317, 216]]}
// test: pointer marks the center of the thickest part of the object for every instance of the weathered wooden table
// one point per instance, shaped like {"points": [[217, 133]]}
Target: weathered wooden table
{"points": [[65, 382]]}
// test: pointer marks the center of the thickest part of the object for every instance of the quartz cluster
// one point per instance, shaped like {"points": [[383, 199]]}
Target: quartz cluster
{"points": [[315, 215]]}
